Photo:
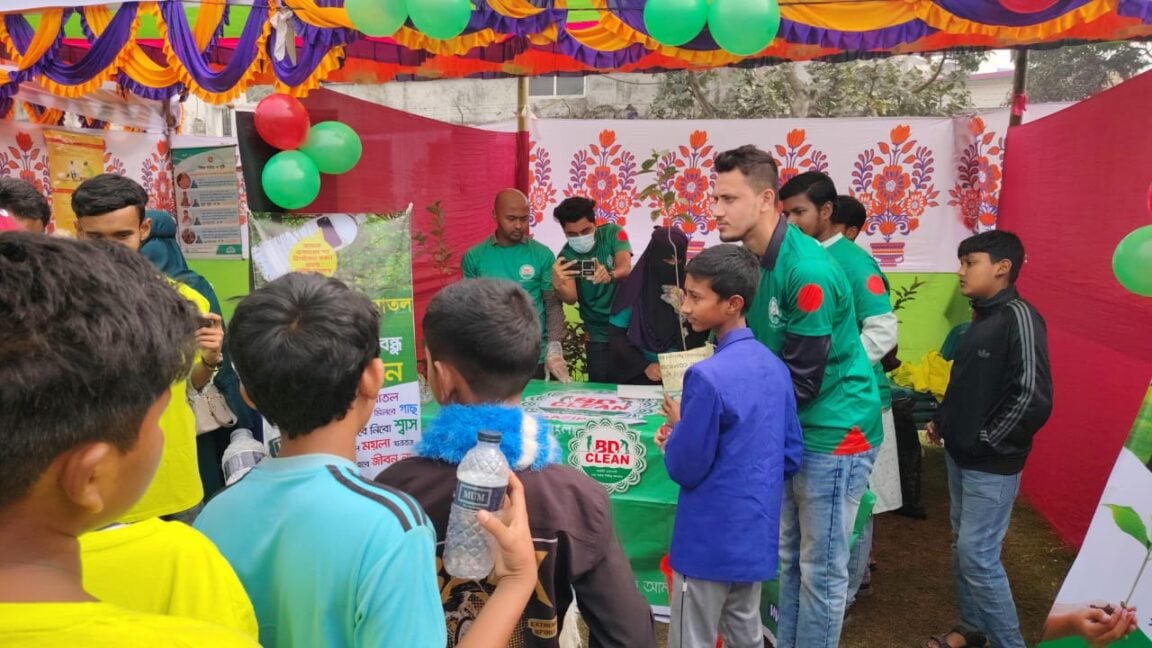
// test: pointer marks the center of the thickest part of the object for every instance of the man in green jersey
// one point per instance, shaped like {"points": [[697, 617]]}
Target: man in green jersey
{"points": [[588, 271], [803, 312], [811, 203], [512, 254]]}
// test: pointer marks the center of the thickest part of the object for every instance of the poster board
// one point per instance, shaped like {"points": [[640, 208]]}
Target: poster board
{"points": [[1114, 566], [370, 253], [208, 210]]}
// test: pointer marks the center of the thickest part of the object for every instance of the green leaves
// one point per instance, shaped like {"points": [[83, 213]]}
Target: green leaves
{"points": [[1128, 520]]}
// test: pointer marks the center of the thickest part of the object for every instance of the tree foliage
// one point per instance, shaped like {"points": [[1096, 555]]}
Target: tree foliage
{"points": [[1078, 72], [901, 85]]}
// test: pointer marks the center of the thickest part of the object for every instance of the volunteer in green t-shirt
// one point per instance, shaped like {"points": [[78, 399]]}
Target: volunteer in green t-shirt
{"points": [[607, 255], [811, 203], [511, 254], [803, 312]]}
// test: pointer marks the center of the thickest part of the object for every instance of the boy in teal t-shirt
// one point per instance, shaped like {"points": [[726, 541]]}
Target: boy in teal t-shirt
{"points": [[610, 252], [804, 313], [330, 558]]}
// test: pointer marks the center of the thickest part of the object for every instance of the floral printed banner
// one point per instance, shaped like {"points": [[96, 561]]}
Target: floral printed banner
{"points": [[144, 157], [927, 183]]}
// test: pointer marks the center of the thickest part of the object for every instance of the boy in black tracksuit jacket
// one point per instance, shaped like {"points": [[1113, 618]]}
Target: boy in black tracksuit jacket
{"points": [[998, 397]]}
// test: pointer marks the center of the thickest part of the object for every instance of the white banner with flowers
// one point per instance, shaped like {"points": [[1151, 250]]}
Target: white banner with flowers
{"points": [[144, 157], [927, 182]]}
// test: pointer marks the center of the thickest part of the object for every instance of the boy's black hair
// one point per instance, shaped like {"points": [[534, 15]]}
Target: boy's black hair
{"points": [[757, 166], [999, 245], [574, 209], [108, 192], [729, 269], [90, 337], [816, 185], [849, 212], [489, 331], [300, 345], [21, 199]]}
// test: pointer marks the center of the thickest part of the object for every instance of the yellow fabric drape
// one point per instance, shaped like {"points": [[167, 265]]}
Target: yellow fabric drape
{"points": [[317, 16], [514, 8], [865, 15], [51, 21]]}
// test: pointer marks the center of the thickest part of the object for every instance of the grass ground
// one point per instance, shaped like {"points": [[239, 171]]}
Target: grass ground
{"points": [[912, 584]]}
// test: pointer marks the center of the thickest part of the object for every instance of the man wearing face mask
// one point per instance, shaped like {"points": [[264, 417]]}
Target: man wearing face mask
{"points": [[588, 271]]}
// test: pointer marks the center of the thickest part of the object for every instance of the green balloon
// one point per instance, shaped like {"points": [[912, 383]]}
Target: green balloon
{"points": [[743, 27], [1132, 261], [440, 19], [675, 22], [291, 179], [377, 17], [334, 147]]}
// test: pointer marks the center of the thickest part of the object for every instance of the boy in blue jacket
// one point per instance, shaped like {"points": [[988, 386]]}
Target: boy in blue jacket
{"points": [[730, 450]]}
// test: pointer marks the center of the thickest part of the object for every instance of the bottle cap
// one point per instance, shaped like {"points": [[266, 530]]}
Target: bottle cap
{"points": [[240, 433], [488, 436]]}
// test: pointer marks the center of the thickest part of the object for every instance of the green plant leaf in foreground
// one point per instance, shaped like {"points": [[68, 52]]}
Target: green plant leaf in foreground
{"points": [[1129, 522]]}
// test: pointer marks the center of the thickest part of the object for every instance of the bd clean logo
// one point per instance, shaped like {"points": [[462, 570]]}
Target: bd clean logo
{"points": [[609, 452]]}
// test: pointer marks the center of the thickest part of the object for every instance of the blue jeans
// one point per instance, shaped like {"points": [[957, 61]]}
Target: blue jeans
{"points": [[981, 509], [818, 512]]}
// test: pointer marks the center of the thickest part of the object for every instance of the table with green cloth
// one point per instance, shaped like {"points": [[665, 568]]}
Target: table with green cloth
{"points": [[612, 440]]}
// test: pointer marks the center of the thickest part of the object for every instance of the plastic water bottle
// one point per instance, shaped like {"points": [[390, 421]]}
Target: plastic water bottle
{"points": [[242, 454], [481, 481]]}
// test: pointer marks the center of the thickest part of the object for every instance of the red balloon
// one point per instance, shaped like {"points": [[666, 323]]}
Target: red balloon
{"points": [[1027, 6], [282, 121]]}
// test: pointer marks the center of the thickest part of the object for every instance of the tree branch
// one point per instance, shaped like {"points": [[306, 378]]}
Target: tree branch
{"points": [[801, 97], [700, 96], [935, 75]]}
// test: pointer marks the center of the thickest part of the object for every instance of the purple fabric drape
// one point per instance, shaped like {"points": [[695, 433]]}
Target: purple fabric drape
{"points": [[991, 12], [316, 42], [103, 52], [1141, 9], [184, 46]]}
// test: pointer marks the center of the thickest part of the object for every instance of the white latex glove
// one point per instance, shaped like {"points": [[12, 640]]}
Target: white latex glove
{"points": [[554, 363]]}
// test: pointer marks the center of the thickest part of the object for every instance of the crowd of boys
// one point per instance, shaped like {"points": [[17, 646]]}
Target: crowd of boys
{"points": [[773, 441]]}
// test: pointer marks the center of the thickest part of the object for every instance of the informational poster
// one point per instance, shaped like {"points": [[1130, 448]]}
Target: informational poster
{"points": [[208, 202], [371, 253], [72, 158], [1110, 584]]}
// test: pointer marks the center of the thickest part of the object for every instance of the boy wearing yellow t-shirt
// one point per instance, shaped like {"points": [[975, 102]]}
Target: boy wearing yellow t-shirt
{"points": [[112, 208], [91, 337]]}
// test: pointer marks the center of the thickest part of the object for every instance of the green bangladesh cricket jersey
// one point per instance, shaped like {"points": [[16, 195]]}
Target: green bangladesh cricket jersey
{"points": [[596, 300], [804, 293], [528, 264], [869, 294]]}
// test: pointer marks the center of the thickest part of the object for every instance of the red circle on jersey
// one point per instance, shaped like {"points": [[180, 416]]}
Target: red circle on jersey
{"points": [[875, 285], [810, 297], [622, 235]]}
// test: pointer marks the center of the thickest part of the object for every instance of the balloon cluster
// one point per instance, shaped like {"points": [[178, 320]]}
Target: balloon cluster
{"points": [[1132, 260], [741, 27], [440, 19], [291, 178]]}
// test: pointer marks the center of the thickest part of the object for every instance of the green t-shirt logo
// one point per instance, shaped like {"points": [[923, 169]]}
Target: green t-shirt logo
{"points": [[775, 319], [527, 272]]}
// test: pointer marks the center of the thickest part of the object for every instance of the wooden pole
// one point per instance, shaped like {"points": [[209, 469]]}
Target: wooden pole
{"points": [[522, 144], [1019, 85]]}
